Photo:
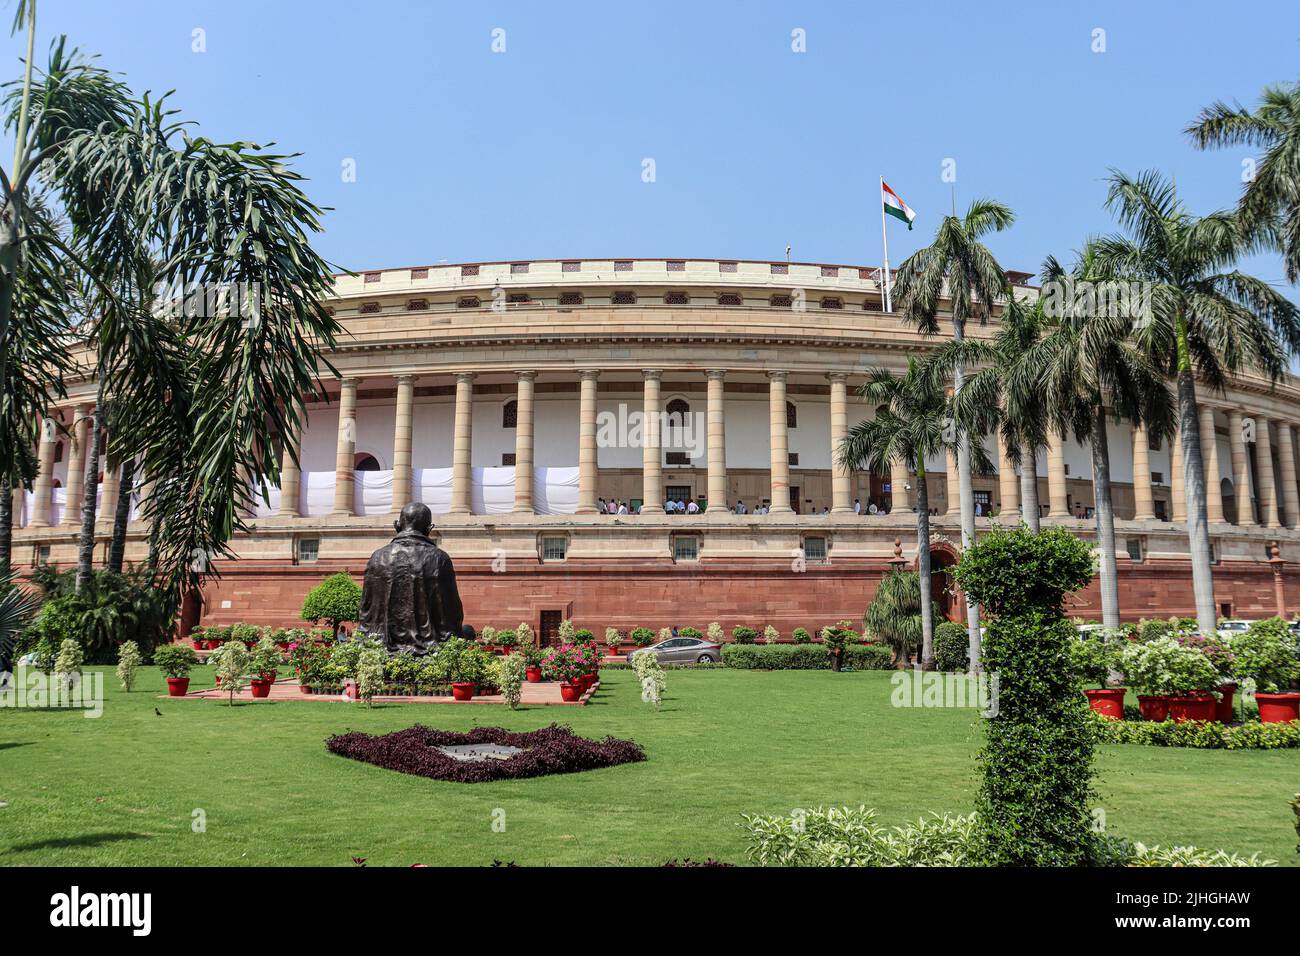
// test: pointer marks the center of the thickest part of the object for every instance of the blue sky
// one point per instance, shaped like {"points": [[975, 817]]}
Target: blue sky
{"points": [[463, 154]]}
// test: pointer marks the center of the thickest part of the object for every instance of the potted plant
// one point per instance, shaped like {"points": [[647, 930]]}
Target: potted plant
{"points": [[533, 664], [612, 639], [1192, 679], [836, 637], [264, 662], [590, 656], [506, 638], [564, 664], [198, 638], [1221, 658], [1146, 666], [1096, 661], [175, 661], [1266, 655], [464, 665]]}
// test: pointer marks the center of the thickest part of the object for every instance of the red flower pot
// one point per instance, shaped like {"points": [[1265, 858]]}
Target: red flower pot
{"points": [[1192, 707], [1154, 707], [177, 686], [462, 691], [1223, 711], [198, 645], [218, 680], [534, 675], [261, 688], [1108, 701], [569, 692], [213, 645], [304, 688], [1278, 708]]}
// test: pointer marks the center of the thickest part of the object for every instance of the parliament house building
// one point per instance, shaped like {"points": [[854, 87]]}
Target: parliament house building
{"points": [[704, 398]]}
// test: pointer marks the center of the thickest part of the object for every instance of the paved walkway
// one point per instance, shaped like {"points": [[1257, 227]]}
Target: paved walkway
{"points": [[545, 693]]}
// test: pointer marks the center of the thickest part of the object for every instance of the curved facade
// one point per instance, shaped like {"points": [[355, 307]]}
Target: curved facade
{"points": [[513, 397]]}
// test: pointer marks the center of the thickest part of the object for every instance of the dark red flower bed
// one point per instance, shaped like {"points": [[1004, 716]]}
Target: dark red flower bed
{"points": [[552, 749]]}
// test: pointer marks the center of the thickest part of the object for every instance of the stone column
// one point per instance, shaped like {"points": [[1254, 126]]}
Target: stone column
{"points": [[43, 487], [1240, 476], [402, 430], [112, 487], [462, 474], [1144, 502], [346, 450], [1058, 496], [779, 442], [900, 499], [841, 491], [524, 442], [1177, 496], [290, 478], [587, 451], [1267, 486], [1286, 460], [1210, 464], [1008, 483], [953, 491], [652, 484], [717, 502], [81, 422]]}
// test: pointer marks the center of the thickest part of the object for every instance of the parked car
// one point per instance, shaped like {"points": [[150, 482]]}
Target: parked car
{"points": [[1235, 626], [682, 650]]}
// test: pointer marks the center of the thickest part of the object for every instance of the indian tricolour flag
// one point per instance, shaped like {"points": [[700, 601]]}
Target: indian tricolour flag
{"points": [[895, 205]]}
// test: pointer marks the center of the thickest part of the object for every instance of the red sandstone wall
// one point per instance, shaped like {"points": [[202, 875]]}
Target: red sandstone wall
{"points": [[742, 592]]}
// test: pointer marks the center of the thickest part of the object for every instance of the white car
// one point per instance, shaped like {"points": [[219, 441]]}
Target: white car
{"points": [[1229, 628]]}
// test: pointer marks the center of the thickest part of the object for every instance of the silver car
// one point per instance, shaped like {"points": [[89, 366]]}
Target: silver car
{"points": [[682, 650]]}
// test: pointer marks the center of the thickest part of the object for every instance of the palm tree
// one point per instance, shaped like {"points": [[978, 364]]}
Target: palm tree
{"points": [[1089, 365], [895, 615], [198, 396], [916, 424], [959, 268], [1205, 319], [17, 608], [1005, 391], [1269, 208]]}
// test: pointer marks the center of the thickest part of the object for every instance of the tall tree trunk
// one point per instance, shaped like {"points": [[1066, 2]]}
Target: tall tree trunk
{"points": [[1029, 487], [6, 528], [117, 550], [967, 506], [1198, 526], [90, 493], [923, 565], [1105, 519]]}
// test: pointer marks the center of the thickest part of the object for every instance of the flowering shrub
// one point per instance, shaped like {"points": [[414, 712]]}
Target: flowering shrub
{"points": [[67, 668], [1165, 666], [566, 632], [128, 662], [771, 635], [612, 637], [266, 657], [308, 661], [716, 634], [665, 633], [370, 674], [563, 663], [524, 632], [589, 656], [1094, 660], [1200, 734], [550, 750], [1266, 655], [1216, 651], [488, 635], [507, 673], [651, 675]]}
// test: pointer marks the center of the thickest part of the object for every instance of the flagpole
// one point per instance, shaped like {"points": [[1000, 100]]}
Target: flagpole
{"points": [[884, 235]]}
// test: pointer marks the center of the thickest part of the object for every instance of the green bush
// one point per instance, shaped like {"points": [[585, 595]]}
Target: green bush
{"points": [[801, 635], [1266, 654], [784, 657], [583, 636], [1150, 630], [741, 634], [694, 632], [1033, 806], [175, 660], [111, 609], [336, 600], [951, 647], [643, 636], [1200, 734]]}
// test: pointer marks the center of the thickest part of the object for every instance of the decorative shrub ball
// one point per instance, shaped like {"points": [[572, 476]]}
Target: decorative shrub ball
{"points": [[552, 749]]}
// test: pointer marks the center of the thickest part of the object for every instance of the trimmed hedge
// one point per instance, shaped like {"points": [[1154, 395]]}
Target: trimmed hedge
{"points": [[951, 647], [788, 657], [1202, 734]]}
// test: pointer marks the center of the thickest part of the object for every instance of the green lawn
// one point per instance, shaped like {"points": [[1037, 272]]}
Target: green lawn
{"points": [[122, 789]]}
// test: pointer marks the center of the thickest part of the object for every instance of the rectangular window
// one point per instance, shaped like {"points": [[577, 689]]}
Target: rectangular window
{"points": [[780, 269], [679, 492], [726, 267], [469, 270], [571, 267], [792, 458], [686, 548], [507, 458], [308, 550], [622, 265], [830, 272], [676, 265], [984, 498], [814, 549], [1135, 549], [1153, 442], [679, 458], [518, 268], [1157, 477], [422, 273], [554, 548], [43, 554], [374, 276]]}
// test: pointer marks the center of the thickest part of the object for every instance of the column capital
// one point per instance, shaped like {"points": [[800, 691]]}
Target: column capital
{"points": [[589, 374], [837, 376], [405, 379], [717, 374], [525, 374], [777, 375], [466, 377], [652, 374], [349, 381]]}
